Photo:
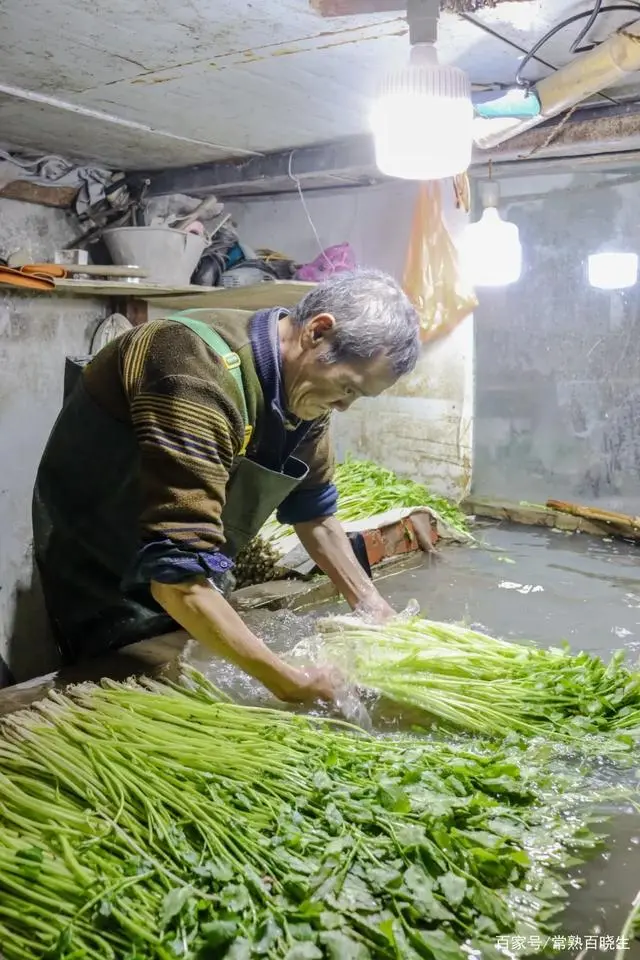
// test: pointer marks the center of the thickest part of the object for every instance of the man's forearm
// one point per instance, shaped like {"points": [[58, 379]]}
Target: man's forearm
{"points": [[208, 618], [328, 545]]}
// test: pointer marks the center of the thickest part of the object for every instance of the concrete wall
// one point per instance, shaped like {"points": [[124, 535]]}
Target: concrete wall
{"points": [[558, 362], [36, 332], [423, 428]]}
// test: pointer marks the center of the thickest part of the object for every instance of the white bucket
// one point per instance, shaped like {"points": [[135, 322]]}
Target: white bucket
{"points": [[168, 256]]}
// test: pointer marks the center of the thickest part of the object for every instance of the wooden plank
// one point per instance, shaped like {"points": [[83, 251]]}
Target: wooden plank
{"points": [[621, 524], [276, 293], [35, 193], [143, 289], [530, 514]]}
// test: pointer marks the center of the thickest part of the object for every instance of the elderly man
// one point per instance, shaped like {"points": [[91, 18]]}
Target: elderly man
{"points": [[180, 439]]}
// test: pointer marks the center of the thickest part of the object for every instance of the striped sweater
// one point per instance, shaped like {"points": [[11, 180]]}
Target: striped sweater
{"points": [[185, 409]]}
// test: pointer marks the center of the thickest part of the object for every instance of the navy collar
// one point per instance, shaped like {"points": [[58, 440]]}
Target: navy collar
{"points": [[265, 341], [284, 432]]}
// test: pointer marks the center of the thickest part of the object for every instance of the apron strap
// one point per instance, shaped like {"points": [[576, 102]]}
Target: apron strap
{"points": [[230, 360]]}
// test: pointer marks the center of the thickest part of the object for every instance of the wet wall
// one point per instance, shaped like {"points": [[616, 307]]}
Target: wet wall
{"points": [[558, 362], [36, 333]]}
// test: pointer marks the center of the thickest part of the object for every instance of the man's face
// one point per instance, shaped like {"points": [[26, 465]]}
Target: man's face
{"points": [[314, 387]]}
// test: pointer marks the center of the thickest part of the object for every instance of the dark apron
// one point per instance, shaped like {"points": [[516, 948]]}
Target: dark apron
{"points": [[86, 509]]}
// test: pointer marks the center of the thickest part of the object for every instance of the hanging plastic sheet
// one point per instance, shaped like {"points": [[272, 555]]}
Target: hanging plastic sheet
{"points": [[432, 276]]}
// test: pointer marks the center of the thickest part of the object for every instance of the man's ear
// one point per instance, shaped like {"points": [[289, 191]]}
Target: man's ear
{"points": [[317, 330]]}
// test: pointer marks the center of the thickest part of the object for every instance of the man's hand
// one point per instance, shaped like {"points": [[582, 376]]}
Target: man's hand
{"points": [[374, 608], [328, 545], [306, 686]]}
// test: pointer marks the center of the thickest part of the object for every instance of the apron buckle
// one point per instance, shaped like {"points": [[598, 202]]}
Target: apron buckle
{"points": [[248, 433]]}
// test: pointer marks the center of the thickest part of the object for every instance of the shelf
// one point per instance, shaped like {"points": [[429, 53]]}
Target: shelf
{"points": [[276, 293], [270, 293], [118, 288]]}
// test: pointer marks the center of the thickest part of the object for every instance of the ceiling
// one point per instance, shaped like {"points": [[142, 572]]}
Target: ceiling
{"points": [[159, 83]]}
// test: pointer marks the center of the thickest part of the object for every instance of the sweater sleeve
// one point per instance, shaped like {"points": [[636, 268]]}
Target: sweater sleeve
{"points": [[188, 429]]}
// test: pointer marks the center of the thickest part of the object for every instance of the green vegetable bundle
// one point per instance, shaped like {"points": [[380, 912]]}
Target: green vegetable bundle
{"points": [[256, 563], [474, 682], [150, 821], [366, 489]]}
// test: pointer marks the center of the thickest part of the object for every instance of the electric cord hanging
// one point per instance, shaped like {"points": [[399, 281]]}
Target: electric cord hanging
{"points": [[609, 8], [586, 30]]}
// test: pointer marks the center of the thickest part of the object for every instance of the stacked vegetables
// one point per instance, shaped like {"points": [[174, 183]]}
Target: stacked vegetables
{"points": [[475, 682], [366, 489], [152, 821], [256, 563]]}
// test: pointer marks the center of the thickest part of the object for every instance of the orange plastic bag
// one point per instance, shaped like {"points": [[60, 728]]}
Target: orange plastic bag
{"points": [[432, 278]]}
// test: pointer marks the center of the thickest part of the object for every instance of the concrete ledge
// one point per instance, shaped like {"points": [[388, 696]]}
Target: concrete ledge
{"points": [[533, 515]]}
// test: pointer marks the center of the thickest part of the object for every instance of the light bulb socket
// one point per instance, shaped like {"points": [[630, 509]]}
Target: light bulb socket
{"points": [[422, 17], [489, 194]]}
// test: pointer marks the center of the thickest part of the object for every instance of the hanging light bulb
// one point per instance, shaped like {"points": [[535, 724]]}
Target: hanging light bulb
{"points": [[613, 271], [422, 119], [491, 252]]}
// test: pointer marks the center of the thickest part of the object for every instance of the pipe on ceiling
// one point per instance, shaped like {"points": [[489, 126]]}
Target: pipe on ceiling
{"points": [[587, 74]]}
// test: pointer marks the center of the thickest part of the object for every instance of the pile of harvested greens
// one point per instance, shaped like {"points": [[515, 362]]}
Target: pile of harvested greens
{"points": [[153, 821], [256, 563], [470, 681], [364, 490]]}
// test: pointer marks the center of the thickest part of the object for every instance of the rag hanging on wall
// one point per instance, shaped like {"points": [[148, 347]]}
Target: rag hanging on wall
{"points": [[432, 277]]}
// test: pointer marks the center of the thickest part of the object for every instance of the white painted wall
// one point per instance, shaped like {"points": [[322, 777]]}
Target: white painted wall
{"points": [[36, 333], [423, 428]]}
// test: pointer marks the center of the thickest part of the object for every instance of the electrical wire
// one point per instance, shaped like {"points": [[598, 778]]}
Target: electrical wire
{"points": [[296, 180], [610, 8], [516, 46], [586, 30]]}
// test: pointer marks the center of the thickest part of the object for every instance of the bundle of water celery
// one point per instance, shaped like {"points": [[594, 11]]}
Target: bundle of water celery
{"points": [[152, 821], [471, 681], [366, 489]]}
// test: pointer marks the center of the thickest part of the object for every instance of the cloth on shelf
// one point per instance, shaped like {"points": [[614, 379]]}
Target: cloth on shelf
{"points": [[335, 259], [54, 171]]}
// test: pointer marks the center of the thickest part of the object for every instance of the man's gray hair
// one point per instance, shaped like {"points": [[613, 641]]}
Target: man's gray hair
{"points": [[372, 315]]}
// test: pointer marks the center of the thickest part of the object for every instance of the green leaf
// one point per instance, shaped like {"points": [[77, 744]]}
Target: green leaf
{"points": [[341, 947], [339, 844], [521, 857], [322, 781], [355, 895], [219, 932], [302, 931], [174, 902], [419, 888], [240, 950], [382, 877], [235, 897], [304, 951], [410, 835], [453, 887], [333, 817], [439, 944], [269, 933], [218, 872], [491, 904], [393, 797]]}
